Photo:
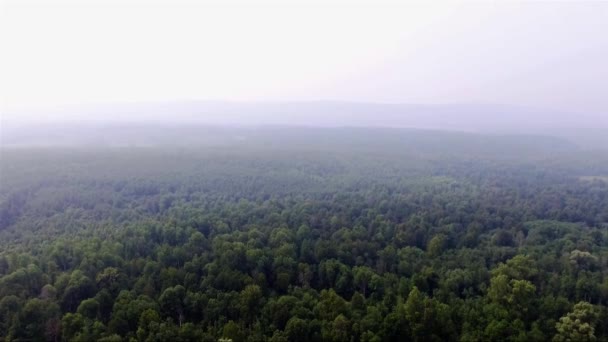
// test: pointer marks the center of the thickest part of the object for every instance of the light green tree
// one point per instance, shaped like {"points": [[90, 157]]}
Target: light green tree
{"points": [[578, 325]]}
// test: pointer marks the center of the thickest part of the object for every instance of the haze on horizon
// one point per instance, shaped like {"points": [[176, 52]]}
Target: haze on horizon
{"points": [[543, 55]]}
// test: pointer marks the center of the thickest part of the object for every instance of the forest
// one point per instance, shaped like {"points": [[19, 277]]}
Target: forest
{"points": [[305, 235]]}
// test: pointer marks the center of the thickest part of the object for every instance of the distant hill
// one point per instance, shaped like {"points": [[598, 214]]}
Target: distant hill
{"points": [[587, 130]]}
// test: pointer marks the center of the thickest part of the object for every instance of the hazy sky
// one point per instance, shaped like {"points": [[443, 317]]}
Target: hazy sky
{"points": [[552, 55]]}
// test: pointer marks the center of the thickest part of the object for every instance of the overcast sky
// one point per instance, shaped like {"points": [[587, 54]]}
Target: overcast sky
{"points": [[548, 55]]}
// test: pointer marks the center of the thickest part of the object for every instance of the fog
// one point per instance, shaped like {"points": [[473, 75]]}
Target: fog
{"points": [[506, 68]]}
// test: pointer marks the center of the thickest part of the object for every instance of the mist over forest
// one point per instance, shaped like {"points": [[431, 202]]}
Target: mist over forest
{"points": [[247, 229], [278, 171]]}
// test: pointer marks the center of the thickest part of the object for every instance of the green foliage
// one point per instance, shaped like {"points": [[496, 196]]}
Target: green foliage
{"points": [[578, 325], [289, 244]]}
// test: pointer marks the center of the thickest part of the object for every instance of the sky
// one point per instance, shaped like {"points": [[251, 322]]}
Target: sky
{"points": [[550, 55]]}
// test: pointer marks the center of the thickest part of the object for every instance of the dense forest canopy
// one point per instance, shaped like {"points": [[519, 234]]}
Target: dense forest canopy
{"points": [[284, 234]]}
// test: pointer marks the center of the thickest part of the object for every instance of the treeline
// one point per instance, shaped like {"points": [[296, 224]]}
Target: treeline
{"points": [[280, 245]]}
